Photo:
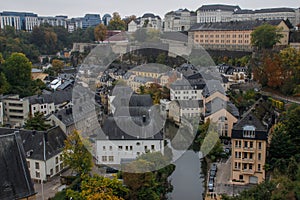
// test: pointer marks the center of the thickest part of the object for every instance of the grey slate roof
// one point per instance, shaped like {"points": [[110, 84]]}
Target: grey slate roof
{"points": [[233, 25], [213, 86], [219, 7], [217, 104], [58, 97], [15, 181], [33, 142], [152, 68], [113, 131]]}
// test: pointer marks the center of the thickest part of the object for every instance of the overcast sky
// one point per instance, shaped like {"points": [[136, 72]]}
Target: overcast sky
{"points": [[77, 8]]}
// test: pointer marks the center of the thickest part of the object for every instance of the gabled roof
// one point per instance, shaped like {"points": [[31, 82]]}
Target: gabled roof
{"points": [[15, 181], [33, 142], [218, 104], [213, 86], [112, 130], [250, 119], [233, 25], [219, 7]]}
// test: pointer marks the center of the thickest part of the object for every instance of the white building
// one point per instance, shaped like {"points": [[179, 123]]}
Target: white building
{"points": [[148, 20], [268, 14], [43, 104], [127, 142], [43, 151], [186, 90], [179, 20], [216, 13], [54, 21], [179, 110], [13, 21]]}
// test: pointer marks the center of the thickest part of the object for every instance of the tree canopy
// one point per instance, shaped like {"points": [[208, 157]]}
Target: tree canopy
{"points": [[100, 32], [37, 123], [76, 154], [265, 36], [116, 23]]}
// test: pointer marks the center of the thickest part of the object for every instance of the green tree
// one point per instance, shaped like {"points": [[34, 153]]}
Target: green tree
{"points": [[116, 23], [100, 32], [98, 187], [17, 70], [147, 177], [57, 66], [37, 122], [76, 155], [265, 36], [4, 85]]}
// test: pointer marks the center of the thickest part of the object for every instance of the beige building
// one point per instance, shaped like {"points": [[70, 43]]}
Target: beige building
{"points": [[16, 111], [249, 146], [234, 35]]}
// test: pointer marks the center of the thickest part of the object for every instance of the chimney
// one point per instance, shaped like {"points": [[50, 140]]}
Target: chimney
{"points": [[46, 136]]}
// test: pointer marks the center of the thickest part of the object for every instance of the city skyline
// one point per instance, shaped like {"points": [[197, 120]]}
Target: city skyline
{"points": [[130, 7]]}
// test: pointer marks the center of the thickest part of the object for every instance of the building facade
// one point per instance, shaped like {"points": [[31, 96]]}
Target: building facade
{"points": [[148, 20], [216, 13], [249, 146], [233, 35], [267, 14], [179, 20], [16, 111], [53, 21], [19, 20]]}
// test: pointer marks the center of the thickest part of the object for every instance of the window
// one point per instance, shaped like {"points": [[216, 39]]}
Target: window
{"points": [[241, 177], [120, 148], [258, 167], [138, 153], [251, 144], [37, 174], [51, 171], [131, 148], [104, 158], [246, 144], [61, 157], [126, 148], [250, 166], [152, 147], [251, 156], [110, 148], [28, 164], [236, 165], [244, 166], [259, 156], [110, 158], [56, 160], [57, 169], [104, 148], [245, 155], [37, 165], [259, 145], [146, 148]]}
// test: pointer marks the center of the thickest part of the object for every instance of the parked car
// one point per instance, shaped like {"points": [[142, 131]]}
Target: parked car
{"points": [[210, 188], [211, 182], [214, 167], [212, 174]]}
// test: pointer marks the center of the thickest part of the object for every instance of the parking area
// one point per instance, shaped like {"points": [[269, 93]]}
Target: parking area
{"points": [[222, 183]]}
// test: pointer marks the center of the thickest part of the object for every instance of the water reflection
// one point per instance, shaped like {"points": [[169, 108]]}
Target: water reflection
{"points": [[186, 178]]}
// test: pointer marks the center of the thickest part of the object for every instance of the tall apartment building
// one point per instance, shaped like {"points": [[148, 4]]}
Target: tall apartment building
{"points": [[234, 35], [179, 20], [216, 13], [249, 145], [16, 110]]}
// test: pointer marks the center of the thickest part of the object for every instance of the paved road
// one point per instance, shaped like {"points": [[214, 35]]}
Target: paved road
{"points": [[50, 188], [281, 97]]}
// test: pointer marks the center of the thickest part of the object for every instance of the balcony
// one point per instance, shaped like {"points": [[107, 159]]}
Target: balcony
{"points": [[247, 160], [248, 171], [249, 149]]}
